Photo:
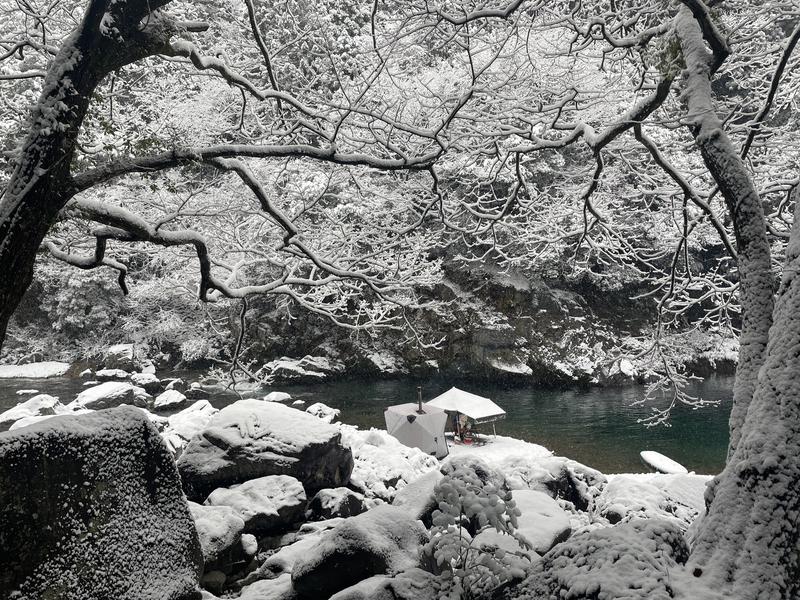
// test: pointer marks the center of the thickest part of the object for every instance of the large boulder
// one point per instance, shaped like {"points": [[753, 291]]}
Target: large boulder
{"points": [[266, 504], [109, 395], [384, 540], [253, 438], [148, 381], [543, 522], [630, 561], [91, 507], [169, 400], [37, 406]]}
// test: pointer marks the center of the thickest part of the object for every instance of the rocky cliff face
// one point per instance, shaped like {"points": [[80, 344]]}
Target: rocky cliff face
{"points": [[490, 325]]}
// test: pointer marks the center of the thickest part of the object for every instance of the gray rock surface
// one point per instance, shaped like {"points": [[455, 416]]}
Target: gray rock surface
{"points": [[99, 490]]}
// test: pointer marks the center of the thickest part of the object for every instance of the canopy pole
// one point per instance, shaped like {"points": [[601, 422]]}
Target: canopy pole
{"points": [[419, 399], [494, 431]]}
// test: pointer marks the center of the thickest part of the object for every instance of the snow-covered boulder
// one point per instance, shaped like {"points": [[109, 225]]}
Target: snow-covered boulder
{"points": [[99, 489], [324, 412], [566, 479], [277, 397], [418, 497], [384, 540], [111, 375], [336, 502], [543, 522], [678, 498], [26, 392], [169, 400], [196, 392], [308, 369], [38, 370], [631, 561], [414, 584], [109, 395], [148, 381], [382, 464], [121, 356], [266, 504], [220, 530], [252, 438], [40, 405]]}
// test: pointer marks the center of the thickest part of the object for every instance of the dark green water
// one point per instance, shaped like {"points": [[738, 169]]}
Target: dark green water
{"points": [[598, 426]]}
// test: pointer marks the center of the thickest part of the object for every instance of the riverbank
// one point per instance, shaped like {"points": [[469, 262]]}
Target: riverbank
{"points": [[596, 426], [329, 483]]}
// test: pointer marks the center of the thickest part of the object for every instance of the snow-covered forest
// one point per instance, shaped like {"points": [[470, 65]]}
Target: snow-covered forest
{"points": [[208, 204]]}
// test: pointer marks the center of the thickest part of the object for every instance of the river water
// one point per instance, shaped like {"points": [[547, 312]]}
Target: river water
{"points": [[596, 426]]}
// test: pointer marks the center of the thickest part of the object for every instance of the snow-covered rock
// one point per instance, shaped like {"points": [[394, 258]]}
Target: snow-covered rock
{"points": [[174, 384], [39, 370], [631, 561], [109, 395], [677, 498], [382, 464], [169, 400], [543, 522], [277, 397], [336, 502], [196, 392], [220, 530], [418, 497], [413, 584], [324, 412], [304, 370], [111, 375], [283, 561], [279, 588], [266, 504], [120, 356], [98, 489], [184, 424], [558, 476], [384, 540], [26, 392], [148, 381], [252, 438], [40, 405]]}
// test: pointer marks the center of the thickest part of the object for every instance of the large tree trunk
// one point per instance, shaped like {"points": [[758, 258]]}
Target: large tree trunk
{"points": [[747, 544], [743, 202], [41, 184]]}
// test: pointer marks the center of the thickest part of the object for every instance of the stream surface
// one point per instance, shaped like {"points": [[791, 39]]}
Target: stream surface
{"points": [[596, 426]]}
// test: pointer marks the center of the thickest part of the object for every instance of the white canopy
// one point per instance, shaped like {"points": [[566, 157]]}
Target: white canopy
{"points": [[419, 430], [477, 408]]}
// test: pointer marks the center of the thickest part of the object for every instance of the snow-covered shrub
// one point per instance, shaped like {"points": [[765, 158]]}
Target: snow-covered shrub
{"points": [[468, 500]]}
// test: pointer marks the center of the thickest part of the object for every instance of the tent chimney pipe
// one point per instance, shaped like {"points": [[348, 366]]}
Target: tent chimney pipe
{"points": [[419, 399]]}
